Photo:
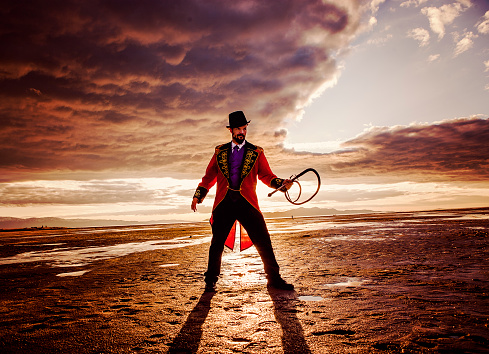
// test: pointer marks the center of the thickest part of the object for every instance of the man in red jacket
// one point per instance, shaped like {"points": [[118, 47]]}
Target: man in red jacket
{"points": [[235, 167]]}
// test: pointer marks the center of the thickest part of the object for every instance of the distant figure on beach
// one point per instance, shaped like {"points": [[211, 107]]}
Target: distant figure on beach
{"points": [[235, 166]]}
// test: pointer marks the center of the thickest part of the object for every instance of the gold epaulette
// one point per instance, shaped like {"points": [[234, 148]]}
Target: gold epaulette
{"points": [[219, 147], [254, 147]]}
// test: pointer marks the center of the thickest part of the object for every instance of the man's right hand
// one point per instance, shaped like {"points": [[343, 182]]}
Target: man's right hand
{"points": [[194, 204], [286, 184]]}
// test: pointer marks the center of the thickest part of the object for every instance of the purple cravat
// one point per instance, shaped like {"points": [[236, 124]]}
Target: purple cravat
{"points": [[235, 162]]}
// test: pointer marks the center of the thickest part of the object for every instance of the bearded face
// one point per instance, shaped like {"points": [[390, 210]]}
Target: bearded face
{"points": [[239, 134]]}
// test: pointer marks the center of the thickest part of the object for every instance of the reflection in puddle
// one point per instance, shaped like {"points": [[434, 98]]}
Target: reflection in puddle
{"points": [[349, 282], [72, 274], [169, 265], [242, 268], [354, 238], [81, 256], [275, 228], [82, 231], [310, 298], [473, 217]]}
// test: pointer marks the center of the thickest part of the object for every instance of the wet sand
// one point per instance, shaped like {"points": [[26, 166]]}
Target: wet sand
{"points": [[400, 282]]}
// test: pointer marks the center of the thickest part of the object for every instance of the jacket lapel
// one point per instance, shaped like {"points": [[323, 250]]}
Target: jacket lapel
{"points": [[222, 158], [249, 160]]}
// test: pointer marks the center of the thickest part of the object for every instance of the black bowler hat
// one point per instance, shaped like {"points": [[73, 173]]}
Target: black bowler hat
{"points": [[237, 119]]}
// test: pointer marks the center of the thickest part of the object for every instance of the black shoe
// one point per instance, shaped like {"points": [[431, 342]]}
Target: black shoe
{"points": [[210, 287], [279, 283]]}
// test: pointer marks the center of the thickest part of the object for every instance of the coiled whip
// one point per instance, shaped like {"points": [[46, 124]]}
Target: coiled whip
{"points": [[295, 180]]}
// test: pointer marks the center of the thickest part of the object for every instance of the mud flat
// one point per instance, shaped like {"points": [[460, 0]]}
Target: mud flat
{"points": [[385, 283]]}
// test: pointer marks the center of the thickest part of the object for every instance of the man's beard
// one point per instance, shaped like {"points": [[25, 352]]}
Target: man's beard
{"points": [[239, 138]]}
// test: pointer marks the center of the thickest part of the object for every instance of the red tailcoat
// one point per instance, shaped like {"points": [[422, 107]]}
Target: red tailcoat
{"points": [[255, 166]]}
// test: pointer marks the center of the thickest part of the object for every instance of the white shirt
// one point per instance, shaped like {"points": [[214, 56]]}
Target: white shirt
{"points": [[233, 144]]}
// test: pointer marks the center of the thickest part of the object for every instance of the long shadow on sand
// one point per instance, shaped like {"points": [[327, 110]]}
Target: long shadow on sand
{"points": [[284, 303], [188, 339]]}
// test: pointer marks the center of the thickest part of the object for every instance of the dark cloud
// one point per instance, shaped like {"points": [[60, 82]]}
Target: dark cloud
{"points": [[121, 84], [280, 133], [133, 87], [452, 150]]}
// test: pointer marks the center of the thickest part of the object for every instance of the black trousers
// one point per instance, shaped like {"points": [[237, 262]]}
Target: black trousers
{"points": [[235, 207]]}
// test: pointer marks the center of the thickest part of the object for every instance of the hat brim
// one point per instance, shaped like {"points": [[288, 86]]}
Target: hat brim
{"points": [[228, 126]]}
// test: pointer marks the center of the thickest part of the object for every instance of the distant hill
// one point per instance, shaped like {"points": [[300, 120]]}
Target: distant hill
{"points": [[7, 223], [18, 223]]}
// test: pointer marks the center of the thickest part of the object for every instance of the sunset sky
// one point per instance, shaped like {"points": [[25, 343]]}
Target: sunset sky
{"points": [[111, 110]]}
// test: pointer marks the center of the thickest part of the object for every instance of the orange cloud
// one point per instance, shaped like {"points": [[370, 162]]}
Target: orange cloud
{"points": [[452, 150], [134, 88], [124, 86]]}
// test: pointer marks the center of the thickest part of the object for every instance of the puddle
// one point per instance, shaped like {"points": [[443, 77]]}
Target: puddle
{"points": [[473, 217], [350, 282], [310, 298], [276, 228], [84, 231], [81, 256], [242, 268], [354, 238], [169, 265], [72, 274]]}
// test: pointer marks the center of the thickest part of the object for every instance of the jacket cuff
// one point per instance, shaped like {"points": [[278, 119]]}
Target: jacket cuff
{"points": [[276, 182], [200, 193]]}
